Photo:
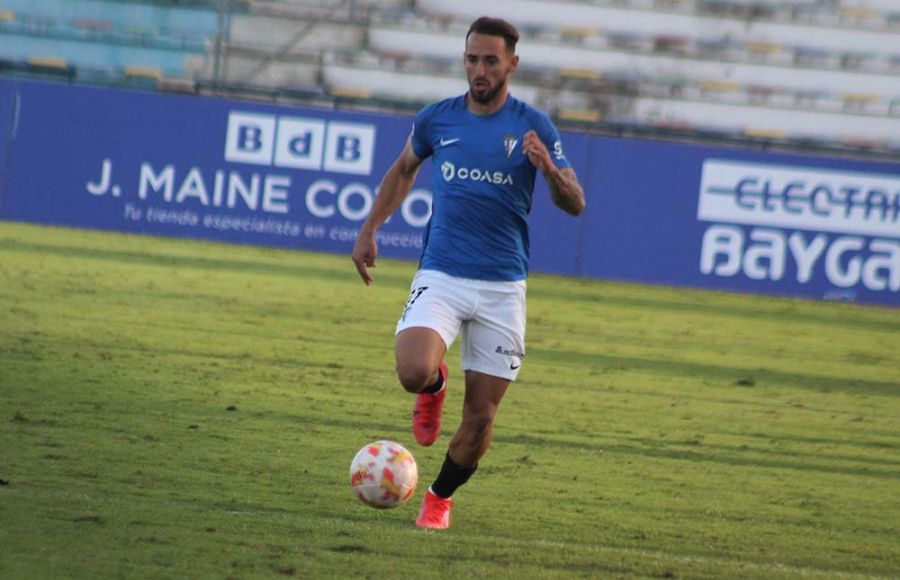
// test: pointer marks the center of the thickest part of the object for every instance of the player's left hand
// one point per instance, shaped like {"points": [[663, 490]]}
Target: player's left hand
{"points": [[365, 250], [537, 152]]}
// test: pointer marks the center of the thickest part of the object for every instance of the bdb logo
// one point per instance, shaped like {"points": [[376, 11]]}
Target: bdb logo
{"points": [[300, 143]]}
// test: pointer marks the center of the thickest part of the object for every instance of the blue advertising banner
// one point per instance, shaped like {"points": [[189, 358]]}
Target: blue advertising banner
{"points": [[205, 168], [658, 212], [746, 221]]}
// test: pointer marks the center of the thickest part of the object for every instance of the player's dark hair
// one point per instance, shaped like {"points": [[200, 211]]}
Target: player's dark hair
{"points": [[496, 27]]}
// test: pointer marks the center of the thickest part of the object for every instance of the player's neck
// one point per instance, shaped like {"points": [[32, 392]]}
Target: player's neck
{"points": [[489, 108]]}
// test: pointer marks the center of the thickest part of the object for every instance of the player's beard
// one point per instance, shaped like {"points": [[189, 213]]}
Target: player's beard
{"points": [[487, 96]]}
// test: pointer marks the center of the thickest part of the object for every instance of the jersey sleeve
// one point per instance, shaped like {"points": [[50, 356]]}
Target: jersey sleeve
{"points": [[548, 133], [421, 144]]}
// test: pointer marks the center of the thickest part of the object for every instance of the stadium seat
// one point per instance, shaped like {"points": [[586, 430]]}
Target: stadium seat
{"points": [[579, 73], [628, 40], [580, 115], [768, 134], [577, 34], [810, 56], [143, 72], [350, 93], [758, 93], [859, 101], [50, 67], [857, 14], [718, 86], [863, 143], [808, 97], [48, 62], [713, 47], [177, 85], [671, 43], [763, 47], [92, 25]]}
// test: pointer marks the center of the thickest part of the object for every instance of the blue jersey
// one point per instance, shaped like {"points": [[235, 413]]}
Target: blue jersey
{"points": [[482, 186]]}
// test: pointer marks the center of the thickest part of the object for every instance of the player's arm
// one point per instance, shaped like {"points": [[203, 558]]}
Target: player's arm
{"points": [[565, 190], [395, 186]]}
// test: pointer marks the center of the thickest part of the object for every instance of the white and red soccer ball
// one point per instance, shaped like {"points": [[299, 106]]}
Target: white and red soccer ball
{"points": [[384, 474]]}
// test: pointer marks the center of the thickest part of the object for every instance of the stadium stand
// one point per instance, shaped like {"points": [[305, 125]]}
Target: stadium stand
{"points": [[816, 72], [105, 41], [683, 78]]}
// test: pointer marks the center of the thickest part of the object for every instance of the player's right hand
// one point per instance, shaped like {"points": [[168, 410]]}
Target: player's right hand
{"points": [[364, 252]]}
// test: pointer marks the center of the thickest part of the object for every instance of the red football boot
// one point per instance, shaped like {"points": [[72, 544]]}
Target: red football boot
{"points": [[435, 512]]}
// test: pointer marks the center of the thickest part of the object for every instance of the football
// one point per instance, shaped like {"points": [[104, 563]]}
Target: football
{"points": [[384, 474]]}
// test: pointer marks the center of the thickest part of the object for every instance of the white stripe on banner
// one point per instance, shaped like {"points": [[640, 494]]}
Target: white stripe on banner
{"points": [[800, 198]]}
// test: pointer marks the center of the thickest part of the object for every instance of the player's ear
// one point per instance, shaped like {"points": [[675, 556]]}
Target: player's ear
{"points": [[514, 63]]}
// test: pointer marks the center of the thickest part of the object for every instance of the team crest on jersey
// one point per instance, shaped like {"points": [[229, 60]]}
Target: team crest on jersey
{"points": [[509, 144]]}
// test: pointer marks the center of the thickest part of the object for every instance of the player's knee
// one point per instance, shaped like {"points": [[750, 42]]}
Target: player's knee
{"points": [[414, 376], [478, 425]]}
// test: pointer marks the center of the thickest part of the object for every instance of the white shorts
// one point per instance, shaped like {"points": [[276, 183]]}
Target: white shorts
{"points": [[491, 316]]}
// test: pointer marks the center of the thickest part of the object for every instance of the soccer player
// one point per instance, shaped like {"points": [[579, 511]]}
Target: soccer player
{"points": [[486, 147]]}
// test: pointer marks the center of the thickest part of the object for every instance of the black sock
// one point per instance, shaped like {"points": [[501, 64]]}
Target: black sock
{"points": [[451, 477], [436, 386]]}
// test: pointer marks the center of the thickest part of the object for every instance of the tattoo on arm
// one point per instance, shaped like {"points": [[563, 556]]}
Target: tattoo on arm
{"points": [[566, 192]]}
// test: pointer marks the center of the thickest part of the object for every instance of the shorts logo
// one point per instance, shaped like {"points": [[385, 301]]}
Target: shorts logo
{"points": [[413, 296], [519, 356]]}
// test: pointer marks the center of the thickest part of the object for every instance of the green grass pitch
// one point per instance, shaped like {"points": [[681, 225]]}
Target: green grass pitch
{"points": [[177, 409]]}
